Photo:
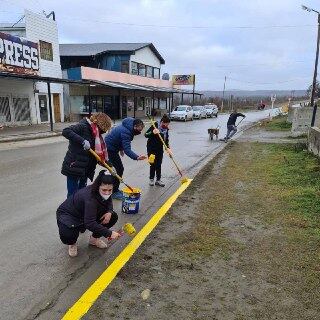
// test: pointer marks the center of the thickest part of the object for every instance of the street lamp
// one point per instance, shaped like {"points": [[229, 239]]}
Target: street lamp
{"points": [[314, 82]]}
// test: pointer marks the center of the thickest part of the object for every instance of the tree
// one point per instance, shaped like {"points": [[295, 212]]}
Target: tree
{"points": [[317, 92]]}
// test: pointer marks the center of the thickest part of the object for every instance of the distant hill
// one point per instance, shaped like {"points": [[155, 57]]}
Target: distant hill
{"points": [[256, 93]]}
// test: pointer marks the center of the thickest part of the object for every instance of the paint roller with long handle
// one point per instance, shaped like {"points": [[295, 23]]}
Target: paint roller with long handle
{"points": [[103, 163], [183, 179], [240, 121]]}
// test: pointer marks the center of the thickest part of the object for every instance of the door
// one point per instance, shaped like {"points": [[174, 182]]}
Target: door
{"points": [[43, 108], [56, 106], [147, 106]]}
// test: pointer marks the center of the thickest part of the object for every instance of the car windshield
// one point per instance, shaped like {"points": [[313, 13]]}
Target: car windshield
{"points": [[209, 107], [195, 108], [181, 108]]}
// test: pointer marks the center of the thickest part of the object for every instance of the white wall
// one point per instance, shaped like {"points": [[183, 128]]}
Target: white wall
{"points": [[38, 27], [147, 57], [22, 88]]}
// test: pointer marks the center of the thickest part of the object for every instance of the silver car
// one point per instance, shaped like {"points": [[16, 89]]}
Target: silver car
{"points": [[199, 112], [211, 110]]}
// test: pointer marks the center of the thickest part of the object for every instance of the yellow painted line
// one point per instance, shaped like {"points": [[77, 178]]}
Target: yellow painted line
{"points": [[82, 306]]}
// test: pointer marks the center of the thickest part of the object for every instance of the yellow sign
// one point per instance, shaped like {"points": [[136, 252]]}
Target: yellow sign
{"points": [[183, 79]]}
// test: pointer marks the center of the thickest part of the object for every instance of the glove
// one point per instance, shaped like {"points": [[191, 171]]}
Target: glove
{"points": [[86, 145]]}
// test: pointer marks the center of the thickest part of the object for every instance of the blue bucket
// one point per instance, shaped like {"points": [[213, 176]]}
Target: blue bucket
{"points": [[131, 201]]}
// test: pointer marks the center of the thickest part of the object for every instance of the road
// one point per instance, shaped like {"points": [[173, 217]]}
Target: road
{"points": [[35, 268]]}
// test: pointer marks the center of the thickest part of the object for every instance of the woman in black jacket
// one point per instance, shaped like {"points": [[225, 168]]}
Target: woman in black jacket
{"points": [[155, 147], [91, 209], [78, 164]]}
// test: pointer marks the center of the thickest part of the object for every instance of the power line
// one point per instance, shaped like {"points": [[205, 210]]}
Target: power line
{"points": [[181, 26]]}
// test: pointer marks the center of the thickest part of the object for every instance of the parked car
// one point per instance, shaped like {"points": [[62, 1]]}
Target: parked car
{"points": [[212, 110], [199, 112], [183, 112]]}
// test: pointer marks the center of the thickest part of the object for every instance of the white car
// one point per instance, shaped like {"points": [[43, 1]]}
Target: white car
{"points": [[183, 112], [199, 112], [212, 110]]}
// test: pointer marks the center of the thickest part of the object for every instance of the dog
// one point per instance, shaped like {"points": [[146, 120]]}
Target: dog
{"points": [[214, 131]]}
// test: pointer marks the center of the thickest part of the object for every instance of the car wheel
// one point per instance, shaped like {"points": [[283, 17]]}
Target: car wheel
{"points": [[216, 115]]}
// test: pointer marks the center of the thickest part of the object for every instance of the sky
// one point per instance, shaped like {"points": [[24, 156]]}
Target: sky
{"points": [[255, 44]]}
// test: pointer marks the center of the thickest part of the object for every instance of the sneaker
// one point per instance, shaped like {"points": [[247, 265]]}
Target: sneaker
{"points": [[160, 183], [73, 250], [151, 182], [97, 243], [117, 195]]}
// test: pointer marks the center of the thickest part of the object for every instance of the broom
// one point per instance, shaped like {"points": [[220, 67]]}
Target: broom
{"points": [[183, 179], [103, 163]]}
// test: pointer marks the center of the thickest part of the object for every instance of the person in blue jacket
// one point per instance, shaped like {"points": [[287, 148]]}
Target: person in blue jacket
{"points": [[118, 142]]}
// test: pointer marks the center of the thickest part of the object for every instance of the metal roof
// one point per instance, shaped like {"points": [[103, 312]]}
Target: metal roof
{"points": [[92, 49]]}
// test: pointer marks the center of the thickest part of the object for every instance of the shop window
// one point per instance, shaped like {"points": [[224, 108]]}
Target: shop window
{"points": [[149, 72], [46, 52], [21, 109], [125, 66], [156, 73], [134, 68], [5, 115], [140, 104], [142, 69]]}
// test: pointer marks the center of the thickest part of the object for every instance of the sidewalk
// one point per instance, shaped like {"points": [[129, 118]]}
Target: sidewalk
{"points": [[36, 131]]}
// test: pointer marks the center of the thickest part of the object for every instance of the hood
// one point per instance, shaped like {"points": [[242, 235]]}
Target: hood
{"points": [[179, 112], [128, 123], [196, 111]]}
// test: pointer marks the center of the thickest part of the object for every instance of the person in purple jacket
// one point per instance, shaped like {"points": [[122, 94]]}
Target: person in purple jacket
{"points": [[90, 209]]}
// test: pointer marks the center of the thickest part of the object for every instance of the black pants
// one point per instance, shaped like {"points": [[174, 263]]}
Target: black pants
{"points": [[155, 168], [115, 159], [70, 235]]}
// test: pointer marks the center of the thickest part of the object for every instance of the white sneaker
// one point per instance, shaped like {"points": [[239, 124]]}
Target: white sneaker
{"points": [[151, 182], [73, 250], [160, 183], [97, 243]]}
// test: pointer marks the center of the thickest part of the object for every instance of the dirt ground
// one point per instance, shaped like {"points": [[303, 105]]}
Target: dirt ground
{"points": [[238, 244]]}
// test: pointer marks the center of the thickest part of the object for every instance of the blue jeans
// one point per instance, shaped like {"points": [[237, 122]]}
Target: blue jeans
{"points": [[74, 184], [231, 131]]}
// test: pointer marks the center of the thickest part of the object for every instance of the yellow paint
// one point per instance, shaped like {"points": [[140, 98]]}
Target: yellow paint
{"points": [[129, 229], [128, 191], [184, 180], [151, 159], [82, 306]]}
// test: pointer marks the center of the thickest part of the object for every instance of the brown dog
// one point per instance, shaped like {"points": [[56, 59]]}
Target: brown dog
{"points": [[214, 131]]}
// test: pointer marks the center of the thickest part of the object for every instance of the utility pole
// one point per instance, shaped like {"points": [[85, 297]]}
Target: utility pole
{"points": [[314, 82], [224, 88]]}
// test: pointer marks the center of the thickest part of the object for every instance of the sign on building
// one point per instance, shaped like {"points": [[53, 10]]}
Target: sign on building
{"points": [[183, 79], [18, 55], [46, 52]]}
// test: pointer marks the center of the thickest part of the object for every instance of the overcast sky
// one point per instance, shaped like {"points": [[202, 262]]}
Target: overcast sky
{"points": [[256, 44]]}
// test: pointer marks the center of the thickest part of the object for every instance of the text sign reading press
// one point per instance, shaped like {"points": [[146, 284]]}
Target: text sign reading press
{"points": [[18, 55], [183, 79]]}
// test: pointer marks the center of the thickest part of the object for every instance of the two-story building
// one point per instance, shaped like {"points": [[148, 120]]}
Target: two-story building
{"points": [[125, 79], [30, 51]]}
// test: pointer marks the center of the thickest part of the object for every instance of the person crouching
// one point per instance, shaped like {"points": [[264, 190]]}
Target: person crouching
{"points": [[90, 209]]}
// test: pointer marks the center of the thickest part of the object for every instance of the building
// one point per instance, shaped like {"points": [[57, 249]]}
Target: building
{"points": [[29, 57], [125, 80]]}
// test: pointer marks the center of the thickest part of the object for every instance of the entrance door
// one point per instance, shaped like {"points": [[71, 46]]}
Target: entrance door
{"points": [[148, 106], [43, 107], [56, 105]]}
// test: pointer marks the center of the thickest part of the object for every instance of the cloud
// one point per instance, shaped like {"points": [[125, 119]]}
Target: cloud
{"points": [[230, 37]]}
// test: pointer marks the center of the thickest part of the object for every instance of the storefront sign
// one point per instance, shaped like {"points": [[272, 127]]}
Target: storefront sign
{"points": [[46, 52], [18, 55], [184, 79]]}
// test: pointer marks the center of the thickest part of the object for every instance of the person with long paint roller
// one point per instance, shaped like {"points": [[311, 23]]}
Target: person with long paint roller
{"points": [[231, 124], [155, 147], [90, 209], [78, 164], [118, 142]]}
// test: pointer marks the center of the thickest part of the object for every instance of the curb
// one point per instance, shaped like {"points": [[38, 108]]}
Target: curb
{"points": [[31, 136]]}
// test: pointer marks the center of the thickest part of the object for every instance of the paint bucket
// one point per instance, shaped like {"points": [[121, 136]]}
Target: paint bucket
{"points": [[131, 200]]}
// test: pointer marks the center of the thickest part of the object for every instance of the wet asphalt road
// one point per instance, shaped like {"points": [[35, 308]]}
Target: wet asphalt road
{"points": [[36, 271]]}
